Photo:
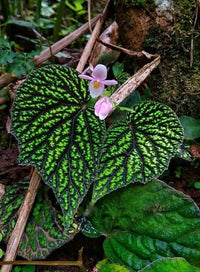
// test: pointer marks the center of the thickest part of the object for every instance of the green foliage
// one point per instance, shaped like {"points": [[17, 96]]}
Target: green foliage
{"points": [[191, 127], [25, 268], [164, 264], [105, 266], [119, 73], [17, 64], [170, 265], [77, 6], [197, 185], [72, 149], [1, 251], [144, 223], [44, 230]]}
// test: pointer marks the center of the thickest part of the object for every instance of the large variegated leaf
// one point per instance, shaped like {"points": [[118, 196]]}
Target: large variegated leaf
{"points": [[44, 230], [138, 149], [71, 148]]}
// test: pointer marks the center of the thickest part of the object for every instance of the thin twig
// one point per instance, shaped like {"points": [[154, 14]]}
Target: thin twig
{"points": [[88, 48], [56, 47], [192, 37], [129, 52], [23, 215], [79, 262], [89, 15], [133, 82]]}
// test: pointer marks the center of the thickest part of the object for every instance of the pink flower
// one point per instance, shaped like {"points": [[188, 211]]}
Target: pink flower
{"points": [[98, 80], [103, 107]]}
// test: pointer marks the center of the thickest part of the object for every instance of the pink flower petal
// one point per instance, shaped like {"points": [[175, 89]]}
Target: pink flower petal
{"points": [[103, 107], [100, 72], [95, 92], [109, 82], [85, 77]]}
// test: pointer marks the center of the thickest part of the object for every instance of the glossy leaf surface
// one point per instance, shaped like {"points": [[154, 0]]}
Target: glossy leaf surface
{"points": [[71, 148], [144, 223]]}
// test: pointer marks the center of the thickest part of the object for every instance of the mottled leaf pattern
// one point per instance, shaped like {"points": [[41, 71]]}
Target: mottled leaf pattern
{"points": [[71, 148], [57, 133], [139, 149], [44, 230]]}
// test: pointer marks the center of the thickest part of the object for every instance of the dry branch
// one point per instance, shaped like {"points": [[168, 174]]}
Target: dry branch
{"points": [[23, 215], [95, 33], [133, 82], [56, 47]]}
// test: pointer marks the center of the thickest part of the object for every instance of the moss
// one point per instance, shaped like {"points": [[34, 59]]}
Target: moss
{"points": [[176, 83], [149, 4]]}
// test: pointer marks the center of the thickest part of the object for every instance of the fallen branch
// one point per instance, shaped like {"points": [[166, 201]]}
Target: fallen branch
{"points": [[23, 215], [78, 263], [133, 82], [95, 33], [6, 79], [56, 47], [129, 52]]}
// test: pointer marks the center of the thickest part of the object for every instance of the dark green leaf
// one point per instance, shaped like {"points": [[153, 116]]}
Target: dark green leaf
{"points": [[44, 231], [118, 69], [191, 127], [23, 23], [6, 56], [144, 223], [170, 265], [71, 148], [28, 268]]}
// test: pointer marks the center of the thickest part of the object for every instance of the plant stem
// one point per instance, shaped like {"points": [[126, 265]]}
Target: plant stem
{"points": [[23, 212], [38, 10], [5, 9], [57, 26]]}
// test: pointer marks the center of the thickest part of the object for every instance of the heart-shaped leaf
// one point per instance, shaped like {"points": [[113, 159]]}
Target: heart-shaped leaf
{"points": [[71, 148], [144, 223], [57, 134], [138, 149], [44, 231]]}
